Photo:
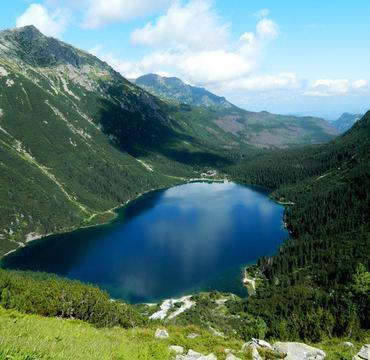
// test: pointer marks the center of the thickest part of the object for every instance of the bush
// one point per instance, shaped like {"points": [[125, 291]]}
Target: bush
{"points": [[48, 295]]}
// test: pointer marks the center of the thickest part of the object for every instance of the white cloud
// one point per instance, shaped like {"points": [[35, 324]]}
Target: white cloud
{"points": [[194, 25], [51, 24], [208, 67], [191, 41], [267, 29], [328, 87], [360, 83], [101, 12], [280, 81], [336, 87]]}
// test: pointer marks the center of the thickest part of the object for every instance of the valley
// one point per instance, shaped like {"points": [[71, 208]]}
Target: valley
{"points": [[78, 141]]}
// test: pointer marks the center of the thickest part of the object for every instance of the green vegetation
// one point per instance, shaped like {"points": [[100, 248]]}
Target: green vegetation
{"points": [[49, 295], [216, 121], [174, 89], [317, 285], [26, 337]]}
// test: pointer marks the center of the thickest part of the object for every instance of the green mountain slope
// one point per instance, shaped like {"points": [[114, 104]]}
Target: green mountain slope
{"points": [[73, 135], [77, 139], [226, 125], [318, 283], [172, 88]]}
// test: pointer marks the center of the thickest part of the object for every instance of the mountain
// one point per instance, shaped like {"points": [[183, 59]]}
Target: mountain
{"points": [[345, 121], [77, 139], [89, 140], [172, 88], [221, 123]]}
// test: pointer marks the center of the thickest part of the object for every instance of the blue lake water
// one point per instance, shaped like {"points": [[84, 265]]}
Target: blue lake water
{"points": [[167, 243]]}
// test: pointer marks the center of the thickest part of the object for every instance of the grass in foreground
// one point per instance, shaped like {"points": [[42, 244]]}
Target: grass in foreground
{"points": [[31, 337]]}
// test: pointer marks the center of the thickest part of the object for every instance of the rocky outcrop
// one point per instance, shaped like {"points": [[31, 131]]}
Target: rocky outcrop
{"points": [[298, 351], [363, 354]]}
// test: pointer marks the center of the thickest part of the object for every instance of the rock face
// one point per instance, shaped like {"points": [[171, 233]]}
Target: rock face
{"points": [[161, 334], [363, 354], [298, 351], [193, 355]]}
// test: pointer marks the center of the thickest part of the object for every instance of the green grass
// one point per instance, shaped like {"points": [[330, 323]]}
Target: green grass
{"points": [[34, 337], [31, 337]]}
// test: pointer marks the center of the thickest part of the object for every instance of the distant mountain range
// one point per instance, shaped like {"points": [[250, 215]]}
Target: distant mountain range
{"points": [[212, 115], [172, 88], [345, 121]]}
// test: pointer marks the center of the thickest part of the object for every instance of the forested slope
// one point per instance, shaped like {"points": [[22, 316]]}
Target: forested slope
{"points": [[318, 284]]}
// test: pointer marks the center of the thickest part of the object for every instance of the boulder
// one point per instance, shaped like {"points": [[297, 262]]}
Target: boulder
{"points": [[193, 355], [255, 354], [347, 344], [363, 354], [161, 334], [256, 343], [176, 349], [193, 335], [298, 351], [231, 356]]}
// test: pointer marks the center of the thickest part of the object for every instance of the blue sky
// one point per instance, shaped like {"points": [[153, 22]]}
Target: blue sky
{"points": [[307, 57]]}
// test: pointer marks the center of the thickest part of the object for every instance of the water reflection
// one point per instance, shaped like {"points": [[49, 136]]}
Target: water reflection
{"points": [[167, 243]]}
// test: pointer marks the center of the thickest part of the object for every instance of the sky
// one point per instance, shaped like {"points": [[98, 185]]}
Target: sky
{"points": [[305, 57]]}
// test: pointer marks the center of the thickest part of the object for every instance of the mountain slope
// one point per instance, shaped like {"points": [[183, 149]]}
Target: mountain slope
{"points": [[172, 88], [345, 121], [71, 131], [219, 122]]}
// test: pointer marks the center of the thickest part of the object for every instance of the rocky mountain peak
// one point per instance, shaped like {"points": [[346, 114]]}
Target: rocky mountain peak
{"points": [[30, 45]]}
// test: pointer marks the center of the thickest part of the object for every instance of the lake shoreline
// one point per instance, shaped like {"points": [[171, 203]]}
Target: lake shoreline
{"points": [[111, 211], [48, 255]]}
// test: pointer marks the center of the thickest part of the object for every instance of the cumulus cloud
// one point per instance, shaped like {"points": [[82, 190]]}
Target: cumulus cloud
{"points": [[50, 23], [101, 12], [280, 81], [191, 41], [194, 25], [334, 87]]}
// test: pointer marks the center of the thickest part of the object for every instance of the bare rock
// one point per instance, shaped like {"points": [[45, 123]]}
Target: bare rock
{"points": [[231, 356], [194, 355], [298, 351], [256, 343], [192, 335], [363, 354], [176, 349], [347, 344], [255, 354], [161, 334]]}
